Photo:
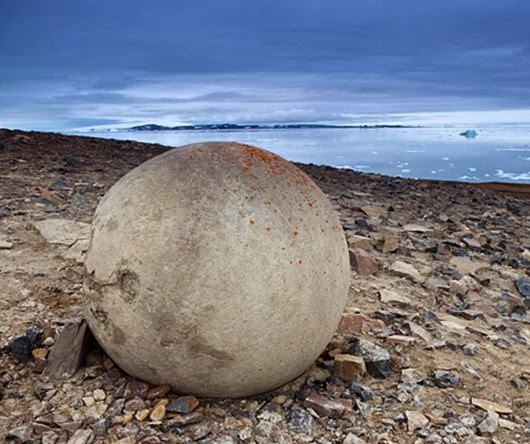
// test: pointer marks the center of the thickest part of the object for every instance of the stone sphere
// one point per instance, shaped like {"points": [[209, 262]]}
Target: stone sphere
{"points": [[218, 268]]}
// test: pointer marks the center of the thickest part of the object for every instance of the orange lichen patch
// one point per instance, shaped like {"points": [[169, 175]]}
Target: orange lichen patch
{"points": [[300, 262], [295, 233], [251, 221]]}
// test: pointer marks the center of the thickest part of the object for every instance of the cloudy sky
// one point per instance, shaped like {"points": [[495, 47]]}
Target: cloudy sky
{"points": [[82, 63]]}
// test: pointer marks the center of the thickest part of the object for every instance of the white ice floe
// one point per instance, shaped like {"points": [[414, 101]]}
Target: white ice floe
{"points": [[513, 176], [472, 170], [405, 171], [445, 158]]}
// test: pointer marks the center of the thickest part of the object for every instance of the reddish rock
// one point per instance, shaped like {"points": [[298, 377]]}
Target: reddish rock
{"points": [[362, 262], [135, 389], [158, 391], [324, 406]]}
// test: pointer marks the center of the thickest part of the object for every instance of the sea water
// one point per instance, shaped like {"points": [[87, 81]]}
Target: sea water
{"points": [[498, 153]]}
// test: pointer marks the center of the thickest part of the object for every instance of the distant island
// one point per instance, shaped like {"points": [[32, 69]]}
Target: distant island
{"points": [[235, 126]]}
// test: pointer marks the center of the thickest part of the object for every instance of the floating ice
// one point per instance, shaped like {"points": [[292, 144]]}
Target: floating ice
{"points": [[513, 176], [472, 170], [469, 134]]}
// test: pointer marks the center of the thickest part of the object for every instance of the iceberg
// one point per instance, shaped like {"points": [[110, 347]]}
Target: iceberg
{"points": [[469, 134]]}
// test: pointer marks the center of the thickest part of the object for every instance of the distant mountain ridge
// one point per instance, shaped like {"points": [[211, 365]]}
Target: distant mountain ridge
{"points": [[236, 126]]}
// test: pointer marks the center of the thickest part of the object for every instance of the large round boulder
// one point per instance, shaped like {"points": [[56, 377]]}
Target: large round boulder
{"points": [[218, 268]]}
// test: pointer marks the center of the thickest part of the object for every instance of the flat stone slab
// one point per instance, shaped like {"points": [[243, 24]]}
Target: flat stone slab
{"points": [[63, 231]]}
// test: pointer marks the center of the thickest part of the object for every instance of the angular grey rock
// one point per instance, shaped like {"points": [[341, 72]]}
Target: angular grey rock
{"points": [[523, 286], [362, 391], [490, 424], [376, 358], [301, 421], [445, 379], [67, 353]]}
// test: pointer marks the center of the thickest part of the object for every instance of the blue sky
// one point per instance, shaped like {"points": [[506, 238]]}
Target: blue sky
{"points": [[83, 63]]}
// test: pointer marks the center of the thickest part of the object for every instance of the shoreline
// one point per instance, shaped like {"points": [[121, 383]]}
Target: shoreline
{"points": [[522, 189]]}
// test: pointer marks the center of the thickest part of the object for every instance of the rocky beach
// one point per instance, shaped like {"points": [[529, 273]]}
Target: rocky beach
{"points": [[433, 346]]}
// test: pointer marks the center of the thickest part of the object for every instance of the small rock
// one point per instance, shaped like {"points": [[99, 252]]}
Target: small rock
{"points": [[523, 287], [81, 437], [490, 424], [99, 395], [301, 421], [158, 391], [469, 349], [349, 367], [362, 262], [415, 420], [135, 389], [4, 245], [183, 404], [484, 404], [390, 244], [416, 228], [158, 413], [99, 428], [363, 392], [141, 415], [376, 358], [393, 297], [324, 406], [400, 339], [68, 352], [21, 348], [183, 420], [371, 212], [353, 439], [406, 270], [23, 433], [505, 424], [446, 379]]}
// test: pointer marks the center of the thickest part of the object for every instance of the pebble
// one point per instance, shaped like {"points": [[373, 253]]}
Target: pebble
{"points": [[469, 349], [135, 389], [4, 245], [446, 379], [361, 391], [349, 367], [523, 287], [324, 406], [301, 421], [376, 358], [99, 395], [158, 413], [21, 348], [406, 270], [183, 404], [415, 420], [158, 392], [490, 424]]}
